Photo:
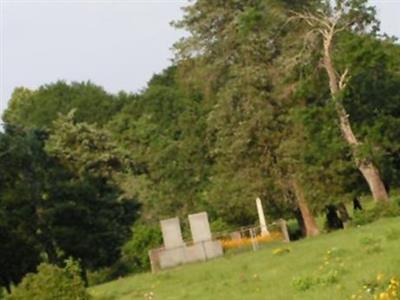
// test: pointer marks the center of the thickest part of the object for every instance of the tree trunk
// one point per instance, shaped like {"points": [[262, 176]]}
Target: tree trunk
{"points": [[366, 167], [308, 218], [343, 213]]}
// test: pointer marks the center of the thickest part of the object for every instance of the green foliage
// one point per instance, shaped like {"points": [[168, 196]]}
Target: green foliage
{"points": [[219, 226], [48, 209], [84, 149], [52, 282], [135, 253], [163, 130], [39, 108], [243, 113], [389, 210], [294, 230]]}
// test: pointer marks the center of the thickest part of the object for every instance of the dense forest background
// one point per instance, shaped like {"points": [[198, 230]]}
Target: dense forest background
{"points": [[255, 104]]}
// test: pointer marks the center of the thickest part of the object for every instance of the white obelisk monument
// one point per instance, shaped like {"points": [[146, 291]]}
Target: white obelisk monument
{"points": [[261, 217]]}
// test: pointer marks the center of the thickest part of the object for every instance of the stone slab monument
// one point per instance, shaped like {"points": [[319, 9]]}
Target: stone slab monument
{"points": [[171, 232], [201, 235], [174, 247], [200, 227], [261, 217]]}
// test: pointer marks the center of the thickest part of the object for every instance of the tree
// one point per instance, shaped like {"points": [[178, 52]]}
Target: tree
{"points": [[95, 221], [18, 256], [39, 108], [328, 23], [232, 56], [163, 130], [52, 209]]}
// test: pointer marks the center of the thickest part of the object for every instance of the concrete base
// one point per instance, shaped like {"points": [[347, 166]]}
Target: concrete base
{"points": [[172, 257], [195, 253], [213, 249]]}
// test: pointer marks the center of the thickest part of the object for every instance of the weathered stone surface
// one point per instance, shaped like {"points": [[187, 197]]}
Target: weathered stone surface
{"points": [[195, 253], [172, 234], [200, 227], [175, 252], [261, 217], [213, 249], [172, 257]]}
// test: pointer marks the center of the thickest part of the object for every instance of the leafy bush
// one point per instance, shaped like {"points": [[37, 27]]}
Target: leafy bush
{"points": [[294, 230], [362, 217], [51, 282], [135, 256], [219, 226], [381, 210], [135, 252]]}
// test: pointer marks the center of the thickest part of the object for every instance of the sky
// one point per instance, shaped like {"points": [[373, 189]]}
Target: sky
{"points": [[118, 44]]}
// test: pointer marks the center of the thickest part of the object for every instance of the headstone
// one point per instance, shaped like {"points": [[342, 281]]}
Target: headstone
{"points": [[261, 217], [201, 235], [173, 253], [172, 234], [200, 227], [195, 253], [284, 229], [212, 249]]}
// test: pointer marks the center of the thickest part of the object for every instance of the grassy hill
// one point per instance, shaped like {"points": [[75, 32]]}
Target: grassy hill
{"points": [[332, 266]]}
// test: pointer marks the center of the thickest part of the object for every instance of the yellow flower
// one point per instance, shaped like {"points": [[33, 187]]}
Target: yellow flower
{"points": [[380, 276], [384, 296]]}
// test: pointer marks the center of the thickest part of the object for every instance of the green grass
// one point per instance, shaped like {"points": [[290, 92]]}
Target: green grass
{"points": [[358, 254]]}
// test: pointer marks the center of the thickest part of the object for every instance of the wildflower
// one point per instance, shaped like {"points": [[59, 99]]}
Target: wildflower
{"points": [[384, 296], [379, 277]]}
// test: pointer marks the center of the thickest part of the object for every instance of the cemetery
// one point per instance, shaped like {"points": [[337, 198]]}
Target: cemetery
{"points": [[200, 149], [206, 245]]}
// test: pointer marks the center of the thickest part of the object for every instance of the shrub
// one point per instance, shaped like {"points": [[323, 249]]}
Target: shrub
{"points": [[135, 252], [381, 210], [51, 282], [294, 230], [219, 226], [135, 256]]}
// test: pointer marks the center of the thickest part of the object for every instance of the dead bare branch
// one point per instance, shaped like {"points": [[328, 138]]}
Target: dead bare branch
{"points": [[344, 79]]}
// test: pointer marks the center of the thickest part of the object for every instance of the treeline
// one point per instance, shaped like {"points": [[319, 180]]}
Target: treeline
{"points": [[295, 102]]}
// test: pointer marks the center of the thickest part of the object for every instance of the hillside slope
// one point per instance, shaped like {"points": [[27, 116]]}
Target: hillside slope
{"points": [[332, 266]]}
